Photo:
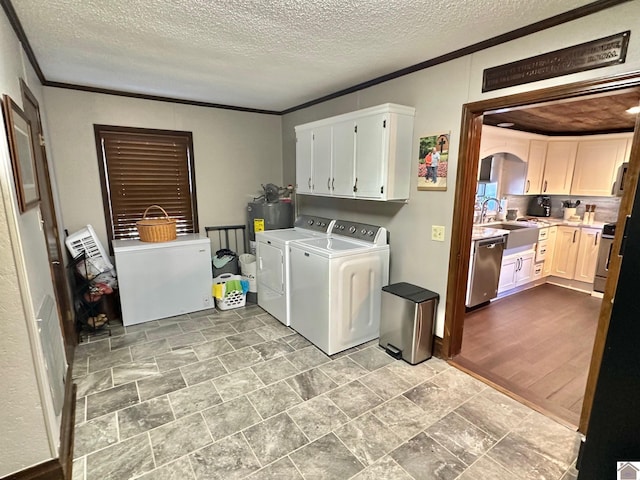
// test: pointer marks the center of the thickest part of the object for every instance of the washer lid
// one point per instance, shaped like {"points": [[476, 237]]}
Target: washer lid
{"points": [[332, 244]]}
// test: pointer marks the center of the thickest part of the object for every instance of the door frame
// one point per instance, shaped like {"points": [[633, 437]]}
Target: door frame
{"points": [[462, 222], [51, 230]]}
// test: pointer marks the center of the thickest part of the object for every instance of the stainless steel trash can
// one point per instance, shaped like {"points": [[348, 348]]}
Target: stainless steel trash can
{"points": [[406, 321]]}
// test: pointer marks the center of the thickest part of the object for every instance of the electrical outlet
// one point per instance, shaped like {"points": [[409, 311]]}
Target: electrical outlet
{"points": [[437, 233]]}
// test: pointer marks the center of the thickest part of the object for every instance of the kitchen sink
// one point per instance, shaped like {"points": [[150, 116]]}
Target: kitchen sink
{"points": [[520, 233]]}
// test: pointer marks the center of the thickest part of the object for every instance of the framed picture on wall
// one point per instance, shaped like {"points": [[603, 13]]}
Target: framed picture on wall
{"points": [[433, 162], [22, 156]]}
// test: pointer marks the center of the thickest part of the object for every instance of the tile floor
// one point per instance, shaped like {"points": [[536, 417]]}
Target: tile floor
{"points": [[235, 394]]}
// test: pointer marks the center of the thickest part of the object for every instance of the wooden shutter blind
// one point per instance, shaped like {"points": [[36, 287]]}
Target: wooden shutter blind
{"points": [[140, 168]]}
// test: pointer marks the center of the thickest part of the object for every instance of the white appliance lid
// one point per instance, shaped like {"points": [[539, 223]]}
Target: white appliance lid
{"points": [[332, 244], [289, 234]]}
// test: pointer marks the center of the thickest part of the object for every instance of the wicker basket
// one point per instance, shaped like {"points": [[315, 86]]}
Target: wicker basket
{"points": [[156, 229]]}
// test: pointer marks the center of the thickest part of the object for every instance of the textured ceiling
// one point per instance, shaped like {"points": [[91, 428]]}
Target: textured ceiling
{"points": [[262, 54]]}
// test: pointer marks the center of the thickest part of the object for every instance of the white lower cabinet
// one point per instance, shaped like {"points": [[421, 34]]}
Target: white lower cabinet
{"points": [[551, 247], [576, 253], [517, 269], [587, 259], [566, 252]]}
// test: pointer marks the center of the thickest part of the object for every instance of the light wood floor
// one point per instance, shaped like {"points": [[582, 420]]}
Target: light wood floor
{"points": [[535, 344]]}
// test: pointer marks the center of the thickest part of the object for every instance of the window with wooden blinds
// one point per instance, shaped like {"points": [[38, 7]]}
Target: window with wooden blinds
{"points": [[141, 167]]}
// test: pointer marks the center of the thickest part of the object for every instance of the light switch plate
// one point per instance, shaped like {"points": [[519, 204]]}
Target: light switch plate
{"points": [[437, 233]]}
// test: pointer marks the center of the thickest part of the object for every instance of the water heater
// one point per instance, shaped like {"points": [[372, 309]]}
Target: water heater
{"points": [[268, 212]]}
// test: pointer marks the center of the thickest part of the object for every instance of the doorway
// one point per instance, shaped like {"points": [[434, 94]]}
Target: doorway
{"points": [[463, 216]]}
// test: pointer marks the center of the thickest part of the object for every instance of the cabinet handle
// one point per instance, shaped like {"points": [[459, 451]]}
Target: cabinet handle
{"points": [[355, 186], [329, 183], [595, 244], [528, 185], [545, 186], [332, 181], [309, 183], [574, 236]]}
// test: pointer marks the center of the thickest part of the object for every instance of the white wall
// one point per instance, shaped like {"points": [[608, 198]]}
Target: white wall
{"points": [[234, 152], [29, 430], [438, 94]]}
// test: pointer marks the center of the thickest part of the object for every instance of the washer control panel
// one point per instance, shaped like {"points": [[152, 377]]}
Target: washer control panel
{"points": [[361, 231]]}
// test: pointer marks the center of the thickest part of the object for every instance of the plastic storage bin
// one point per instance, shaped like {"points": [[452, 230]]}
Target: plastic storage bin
{"points": [[406, 321], [232, 299], [248, 269]]}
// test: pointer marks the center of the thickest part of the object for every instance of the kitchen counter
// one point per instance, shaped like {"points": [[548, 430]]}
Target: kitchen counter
{"points": [[485, 230], [562, 222], [480, 233]]}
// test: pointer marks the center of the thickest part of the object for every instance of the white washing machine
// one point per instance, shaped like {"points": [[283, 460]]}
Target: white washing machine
{"points": [[272, 257], [336, 285]]}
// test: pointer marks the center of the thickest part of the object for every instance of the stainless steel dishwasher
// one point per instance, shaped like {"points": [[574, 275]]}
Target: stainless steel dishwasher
{"points": [[484, 273]]}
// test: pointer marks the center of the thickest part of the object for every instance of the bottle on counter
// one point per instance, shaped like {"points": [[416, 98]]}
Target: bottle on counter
{"points": [[589, 214]]}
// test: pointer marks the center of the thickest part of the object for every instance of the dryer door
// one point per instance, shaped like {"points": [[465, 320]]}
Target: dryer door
{"points": [[270, 271]]}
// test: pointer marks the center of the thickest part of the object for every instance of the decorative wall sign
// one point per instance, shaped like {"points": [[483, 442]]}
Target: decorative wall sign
{"points": [[433, 162], [586, 56], [22, 156]]}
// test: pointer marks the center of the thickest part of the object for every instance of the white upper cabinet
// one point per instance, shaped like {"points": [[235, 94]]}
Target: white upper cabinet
{"points": [[363, 154], [597, 164], [304, 160], [558, 167], [321, 170], [524, 177], [535, 167], [371, 150], [585, 165], [343, 148]]}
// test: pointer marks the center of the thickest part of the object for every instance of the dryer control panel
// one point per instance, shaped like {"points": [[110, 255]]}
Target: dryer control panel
{"points": [[361, 231], [316, 224]]}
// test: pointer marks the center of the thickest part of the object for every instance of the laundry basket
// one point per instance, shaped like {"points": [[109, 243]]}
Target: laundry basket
{"points": [[235, 298], [86, 241]]}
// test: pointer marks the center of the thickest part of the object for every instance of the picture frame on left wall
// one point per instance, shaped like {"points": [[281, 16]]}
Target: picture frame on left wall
{"points": [[20, 139]]}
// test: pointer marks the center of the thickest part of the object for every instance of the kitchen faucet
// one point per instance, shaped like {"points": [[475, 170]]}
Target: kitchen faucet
{"points": [[483, 207]]}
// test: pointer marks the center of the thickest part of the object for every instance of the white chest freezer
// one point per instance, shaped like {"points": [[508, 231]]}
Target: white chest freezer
{"points": [[164, 279]]}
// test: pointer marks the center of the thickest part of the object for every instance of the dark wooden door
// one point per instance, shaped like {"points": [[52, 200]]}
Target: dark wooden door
{"points": [[50, 223]]}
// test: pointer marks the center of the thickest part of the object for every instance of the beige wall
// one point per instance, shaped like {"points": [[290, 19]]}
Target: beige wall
{"points": [[438, 94], [234, 152], [29, 430]]}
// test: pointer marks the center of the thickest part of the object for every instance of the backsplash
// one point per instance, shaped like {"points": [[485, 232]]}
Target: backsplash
{"points": [[606, 207]]}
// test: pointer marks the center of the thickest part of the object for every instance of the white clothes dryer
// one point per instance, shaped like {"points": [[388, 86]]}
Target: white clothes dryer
{"points": [[336, 285], [272, 257]]}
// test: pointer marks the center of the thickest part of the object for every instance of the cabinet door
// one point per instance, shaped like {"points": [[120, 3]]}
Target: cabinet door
{"points": [[508, 269], [304, 156], [587, 259], [596, 167], [371, 155], [343, 158], [558, 167], [524, 274], [551, 247], [321, 167], [535, 167], [566, 252], [518, 146]]}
